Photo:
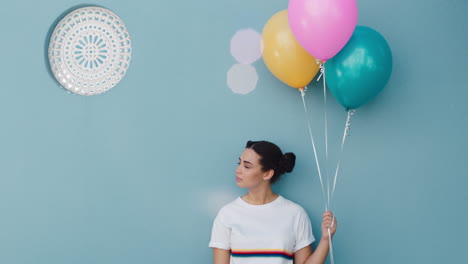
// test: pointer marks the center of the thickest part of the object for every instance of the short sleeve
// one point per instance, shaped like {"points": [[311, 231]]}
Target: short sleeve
{"points": [[303, 231], [220, 234]]}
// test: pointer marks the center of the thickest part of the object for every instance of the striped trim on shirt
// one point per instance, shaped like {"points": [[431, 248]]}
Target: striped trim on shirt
{"points": [[262, 253]]}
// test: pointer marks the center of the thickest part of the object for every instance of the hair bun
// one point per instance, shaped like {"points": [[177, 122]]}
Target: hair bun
{"points": [[287, 162]]}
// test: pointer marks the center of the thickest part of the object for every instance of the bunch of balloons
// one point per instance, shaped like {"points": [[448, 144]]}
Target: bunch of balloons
{"points": [[321, 35], [357, 60]]}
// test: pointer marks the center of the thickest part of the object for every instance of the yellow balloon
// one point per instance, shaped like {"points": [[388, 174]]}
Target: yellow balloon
{"points": [[284, 56]]}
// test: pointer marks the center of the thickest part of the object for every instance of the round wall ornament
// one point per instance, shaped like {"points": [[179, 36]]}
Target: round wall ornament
{"points": [[89, 50]]}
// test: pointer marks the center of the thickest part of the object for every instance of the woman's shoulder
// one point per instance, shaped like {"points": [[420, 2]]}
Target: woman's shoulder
{"points": [[229, 206], [293, 206]]}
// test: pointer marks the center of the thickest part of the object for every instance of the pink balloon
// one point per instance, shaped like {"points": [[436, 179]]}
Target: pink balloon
{"points": [[322, 27]]}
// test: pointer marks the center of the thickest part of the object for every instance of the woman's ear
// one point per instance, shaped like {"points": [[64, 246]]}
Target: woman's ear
{"points": [[268, 174]]}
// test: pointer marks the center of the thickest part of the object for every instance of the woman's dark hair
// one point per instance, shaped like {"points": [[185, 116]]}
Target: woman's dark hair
{"points": [[271, 158]]}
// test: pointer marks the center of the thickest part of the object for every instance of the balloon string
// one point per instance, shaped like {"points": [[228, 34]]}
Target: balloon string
{"points": [[322, 70], [313, 145], [322, 73], [332, 260], [345, 135]]}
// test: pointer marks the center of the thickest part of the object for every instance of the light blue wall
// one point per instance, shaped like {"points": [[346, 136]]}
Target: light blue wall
{"points": [[137, 175]]}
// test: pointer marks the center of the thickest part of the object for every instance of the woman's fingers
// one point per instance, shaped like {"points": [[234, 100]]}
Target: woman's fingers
{"points": [[327, 213], [329, 221]]}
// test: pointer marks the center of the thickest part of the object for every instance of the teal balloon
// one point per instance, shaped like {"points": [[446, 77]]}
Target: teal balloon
{"points": [[361, 69]]}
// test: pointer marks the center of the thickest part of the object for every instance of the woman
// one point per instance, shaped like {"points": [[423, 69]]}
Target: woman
{"points": [[263, 227]]}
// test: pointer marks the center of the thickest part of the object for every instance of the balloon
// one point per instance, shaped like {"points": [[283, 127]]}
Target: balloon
{"points": [[361, 69], [322, 27], [284, 56]]}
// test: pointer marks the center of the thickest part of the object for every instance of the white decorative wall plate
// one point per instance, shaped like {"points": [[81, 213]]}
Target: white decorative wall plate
{"points": [[89, 50]]}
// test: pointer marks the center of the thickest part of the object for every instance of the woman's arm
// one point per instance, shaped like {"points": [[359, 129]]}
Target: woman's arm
{"points": [[307, 255], [221, 256]]}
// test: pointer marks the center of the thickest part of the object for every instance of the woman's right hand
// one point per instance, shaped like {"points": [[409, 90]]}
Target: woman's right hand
{"points": [[328, 222]]}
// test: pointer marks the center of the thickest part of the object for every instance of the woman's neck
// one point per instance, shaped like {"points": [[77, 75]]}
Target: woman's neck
{"points": [[259, 197]]}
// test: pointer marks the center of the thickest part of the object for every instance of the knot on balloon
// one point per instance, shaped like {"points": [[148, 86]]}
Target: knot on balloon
{"points": [[322, 69], [348, 121], [303, 90]]}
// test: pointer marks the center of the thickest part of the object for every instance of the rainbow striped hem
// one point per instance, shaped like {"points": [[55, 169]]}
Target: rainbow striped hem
{"points": [[245, 253]]}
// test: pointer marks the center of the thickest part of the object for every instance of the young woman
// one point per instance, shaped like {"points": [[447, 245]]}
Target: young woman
{"points": [[263, 227]]}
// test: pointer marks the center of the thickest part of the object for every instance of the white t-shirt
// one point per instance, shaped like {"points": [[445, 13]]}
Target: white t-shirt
{"points": [[262, 234]]}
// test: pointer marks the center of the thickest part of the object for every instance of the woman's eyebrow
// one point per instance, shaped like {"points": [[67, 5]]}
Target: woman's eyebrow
{"points": [[245, 161]]}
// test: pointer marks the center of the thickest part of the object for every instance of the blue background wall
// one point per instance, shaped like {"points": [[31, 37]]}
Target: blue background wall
{"points": [[136, 175]]}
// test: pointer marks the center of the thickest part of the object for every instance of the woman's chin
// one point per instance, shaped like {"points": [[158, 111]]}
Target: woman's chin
{"points": [[240, 184]]}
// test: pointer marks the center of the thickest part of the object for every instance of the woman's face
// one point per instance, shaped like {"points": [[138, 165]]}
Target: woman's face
{"points": [[249, 173]]}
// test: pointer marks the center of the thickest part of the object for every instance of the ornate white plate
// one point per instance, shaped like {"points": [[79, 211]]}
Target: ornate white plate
{"points": [[89, 50]]}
